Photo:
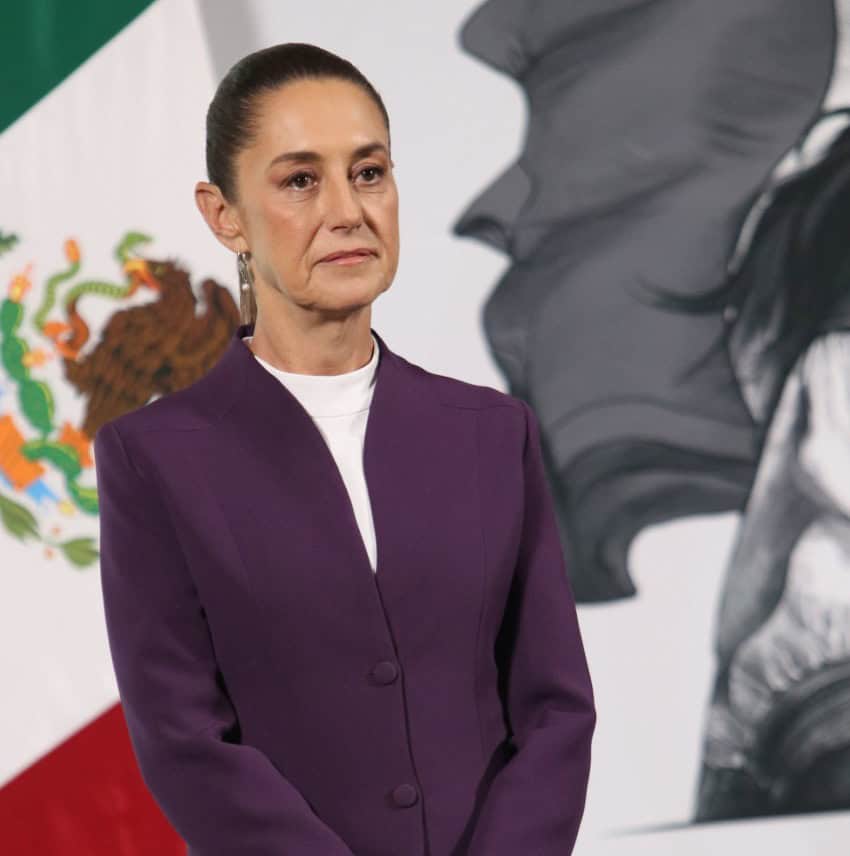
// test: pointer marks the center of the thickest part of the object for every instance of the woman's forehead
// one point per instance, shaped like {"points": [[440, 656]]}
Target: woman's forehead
{"points": [[306, 112]]}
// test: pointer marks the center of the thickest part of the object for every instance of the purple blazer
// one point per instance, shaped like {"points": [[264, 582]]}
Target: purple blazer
{"points": [[284, 700]]}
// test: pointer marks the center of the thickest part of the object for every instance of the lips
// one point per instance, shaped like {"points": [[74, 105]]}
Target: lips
{"points": [[341, 254]]}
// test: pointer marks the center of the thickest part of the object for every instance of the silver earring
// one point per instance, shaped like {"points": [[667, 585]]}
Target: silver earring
{"points": [[246, 281]]}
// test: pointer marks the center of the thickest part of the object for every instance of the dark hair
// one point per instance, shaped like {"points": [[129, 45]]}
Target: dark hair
{"points": [[232, 121], [795, 267]]}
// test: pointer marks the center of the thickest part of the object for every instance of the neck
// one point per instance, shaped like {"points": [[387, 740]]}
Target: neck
{"points": [[326, 348]]}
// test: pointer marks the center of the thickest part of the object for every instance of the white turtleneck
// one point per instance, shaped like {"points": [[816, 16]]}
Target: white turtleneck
{"points": [[339, 406]]}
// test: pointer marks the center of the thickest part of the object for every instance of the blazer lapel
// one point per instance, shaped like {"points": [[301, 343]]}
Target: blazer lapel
{"points": [[292, 516]]}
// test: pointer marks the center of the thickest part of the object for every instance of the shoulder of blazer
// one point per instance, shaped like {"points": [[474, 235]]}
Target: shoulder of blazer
{"points": [[193, 408], [451, 391], [454, 392]]}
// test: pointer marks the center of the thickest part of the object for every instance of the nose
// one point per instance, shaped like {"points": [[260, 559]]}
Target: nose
{"points": [[342, 204], [491, 217]]}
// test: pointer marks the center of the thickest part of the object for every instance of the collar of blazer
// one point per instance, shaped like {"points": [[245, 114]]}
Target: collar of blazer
{"points": [[237, 372], [253, 476]]}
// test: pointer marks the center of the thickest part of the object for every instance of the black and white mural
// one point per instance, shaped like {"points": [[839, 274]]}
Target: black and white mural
{"points": [[677, 309]]}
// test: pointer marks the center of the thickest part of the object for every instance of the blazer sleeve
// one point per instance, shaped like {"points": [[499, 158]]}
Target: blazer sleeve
{"points": [[222, 797], [536, 801]]}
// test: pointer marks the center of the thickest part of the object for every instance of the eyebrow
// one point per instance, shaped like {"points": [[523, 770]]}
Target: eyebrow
{"points": [[313, 157]]}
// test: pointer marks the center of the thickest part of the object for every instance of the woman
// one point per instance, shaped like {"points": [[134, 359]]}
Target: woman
{"points": [[289, 686]]}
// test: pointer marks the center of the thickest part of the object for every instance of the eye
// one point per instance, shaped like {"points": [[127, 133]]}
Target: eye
{"points": [[378, 170], [291, 181]]}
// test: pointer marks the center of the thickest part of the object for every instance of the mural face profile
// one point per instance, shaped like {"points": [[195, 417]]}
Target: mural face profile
{"points": [[679, 316]]}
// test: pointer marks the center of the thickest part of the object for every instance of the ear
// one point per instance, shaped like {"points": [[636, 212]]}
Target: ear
{"points": [[221, 216]]}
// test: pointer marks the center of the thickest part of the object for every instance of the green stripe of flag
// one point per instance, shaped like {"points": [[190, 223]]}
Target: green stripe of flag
{"points": [[43, 41]]}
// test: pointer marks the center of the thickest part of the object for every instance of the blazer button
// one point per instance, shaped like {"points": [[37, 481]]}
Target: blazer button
{"points": [[385, 672], [405, 795]]}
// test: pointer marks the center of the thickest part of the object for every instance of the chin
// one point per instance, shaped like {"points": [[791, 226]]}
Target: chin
{"points": [[351, 296]]}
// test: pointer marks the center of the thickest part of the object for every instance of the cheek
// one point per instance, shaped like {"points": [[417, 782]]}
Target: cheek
{"points": [[389, 223], [287, 235]]}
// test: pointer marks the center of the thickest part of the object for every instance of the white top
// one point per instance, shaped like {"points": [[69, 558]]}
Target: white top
{"points": [[339, 406]]}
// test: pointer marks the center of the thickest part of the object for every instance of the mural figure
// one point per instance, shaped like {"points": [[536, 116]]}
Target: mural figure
{"points": [[684, 336], [652, 126], [778, 729]]}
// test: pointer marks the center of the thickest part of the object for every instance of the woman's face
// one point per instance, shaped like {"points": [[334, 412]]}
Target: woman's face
{"points": [[318, 179]]}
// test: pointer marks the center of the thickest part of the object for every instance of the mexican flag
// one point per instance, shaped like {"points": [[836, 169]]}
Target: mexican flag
{"points": [[101, 251]]}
